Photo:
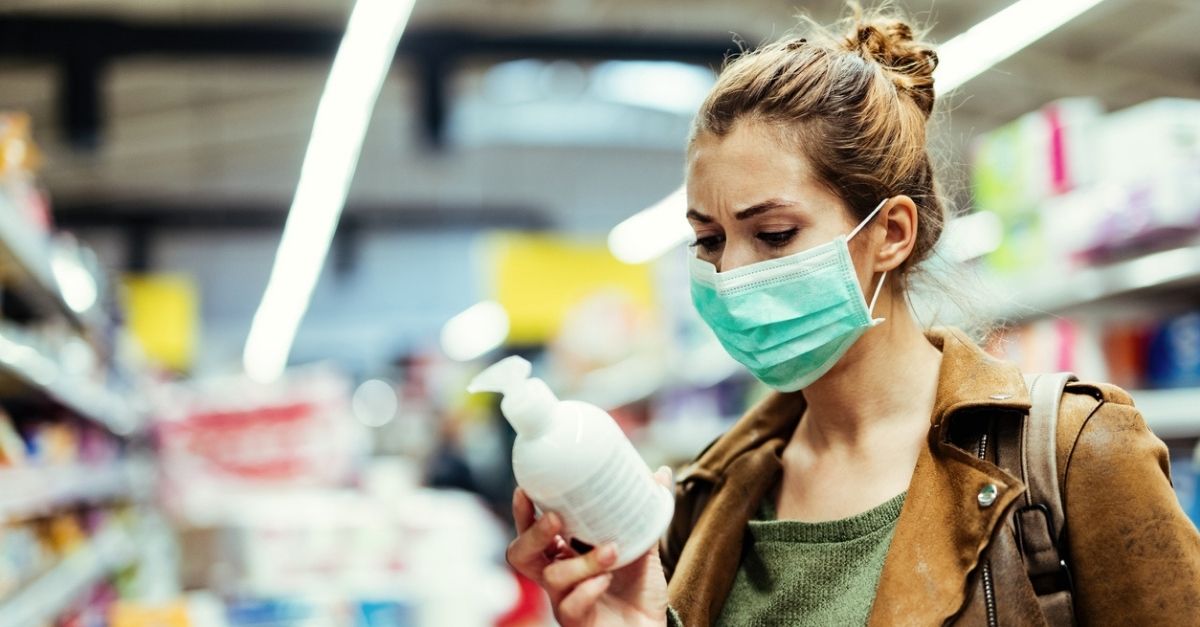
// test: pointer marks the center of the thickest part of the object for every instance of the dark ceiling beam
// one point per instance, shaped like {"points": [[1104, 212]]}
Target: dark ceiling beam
{"points": [[34, 35], [83, 46], [196, 216]]}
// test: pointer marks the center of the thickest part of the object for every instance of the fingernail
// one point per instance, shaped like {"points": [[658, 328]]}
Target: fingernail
{"points": [[670, 473], [607, 555], [551, 520]]}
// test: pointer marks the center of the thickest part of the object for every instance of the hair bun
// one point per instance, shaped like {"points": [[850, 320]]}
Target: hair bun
{"points": [[890, 42]]}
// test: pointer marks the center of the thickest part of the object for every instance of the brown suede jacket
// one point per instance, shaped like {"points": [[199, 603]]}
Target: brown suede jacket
{"points": [[1133, 553]]}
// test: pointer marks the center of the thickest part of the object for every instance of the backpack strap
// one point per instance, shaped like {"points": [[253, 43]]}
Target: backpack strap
{"points": [[1041, 520]]}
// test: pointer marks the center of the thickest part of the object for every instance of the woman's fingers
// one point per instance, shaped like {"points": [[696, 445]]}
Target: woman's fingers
{"points": [[575, 606], [563, 575], [527, 554], [523, 514]]}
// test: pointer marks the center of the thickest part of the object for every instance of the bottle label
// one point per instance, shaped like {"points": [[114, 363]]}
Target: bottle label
{"points": [[616, 504]]}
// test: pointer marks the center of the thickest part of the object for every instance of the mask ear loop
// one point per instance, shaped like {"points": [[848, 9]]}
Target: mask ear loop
{"points": [[879, 287], [871, 308], [867, 219]]}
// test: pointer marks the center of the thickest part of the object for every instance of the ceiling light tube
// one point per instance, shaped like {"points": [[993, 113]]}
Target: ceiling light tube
{"points": [[1000, 36], [651, 232], [343, 113]]}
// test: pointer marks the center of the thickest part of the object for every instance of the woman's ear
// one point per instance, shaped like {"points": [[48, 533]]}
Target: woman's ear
{"points": [[899, 219]]}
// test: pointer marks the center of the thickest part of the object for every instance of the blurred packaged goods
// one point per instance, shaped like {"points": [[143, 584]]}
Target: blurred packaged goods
{"points": [[1073, 186], [75, 470], [1138, 353], [287, 518], [385, 553]]}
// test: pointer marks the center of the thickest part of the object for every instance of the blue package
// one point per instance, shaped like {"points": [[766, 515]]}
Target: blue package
{"points": [[267, 612], [1173, 358], [385, 614]]}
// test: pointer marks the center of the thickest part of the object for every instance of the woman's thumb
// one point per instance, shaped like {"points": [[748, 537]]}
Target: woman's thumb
{"points": [[665, 477]]}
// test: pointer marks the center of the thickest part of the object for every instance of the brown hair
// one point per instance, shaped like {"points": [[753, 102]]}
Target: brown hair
{"points": [[856, 104]]}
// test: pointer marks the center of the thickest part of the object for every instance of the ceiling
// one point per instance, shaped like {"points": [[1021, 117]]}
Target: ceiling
{"points": [[219, 128]]}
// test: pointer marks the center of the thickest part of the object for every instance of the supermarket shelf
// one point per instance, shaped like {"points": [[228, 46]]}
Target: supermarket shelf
{"points": [[1048, 293], [28, 255], [1170, 413], [48, 596], [85, 398], [30, 492]]}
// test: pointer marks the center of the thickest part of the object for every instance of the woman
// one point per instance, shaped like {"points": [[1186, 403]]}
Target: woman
{"points": [[865, 490]]}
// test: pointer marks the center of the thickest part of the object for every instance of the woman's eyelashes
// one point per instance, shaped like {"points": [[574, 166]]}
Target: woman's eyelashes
{"points": [[708, 243], [774, 239], [778, 239]]}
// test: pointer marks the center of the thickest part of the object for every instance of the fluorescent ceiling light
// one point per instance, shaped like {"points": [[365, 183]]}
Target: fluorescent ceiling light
{"points": [[483, 327], [358, 71], [650, 233], [664, 85], [1000, 36]]}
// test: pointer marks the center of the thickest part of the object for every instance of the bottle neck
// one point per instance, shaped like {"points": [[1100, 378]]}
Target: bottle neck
{"points": [[529, 408]]}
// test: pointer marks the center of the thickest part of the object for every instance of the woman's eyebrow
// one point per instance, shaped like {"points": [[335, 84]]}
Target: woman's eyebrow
{"points": [[761, 208], [749, 212]]}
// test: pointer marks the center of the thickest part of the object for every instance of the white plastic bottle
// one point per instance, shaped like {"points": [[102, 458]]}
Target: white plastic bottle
{"points": [[571, 458]]}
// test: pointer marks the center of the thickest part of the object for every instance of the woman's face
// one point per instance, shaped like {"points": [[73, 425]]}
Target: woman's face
{"points": [[750, 198]]}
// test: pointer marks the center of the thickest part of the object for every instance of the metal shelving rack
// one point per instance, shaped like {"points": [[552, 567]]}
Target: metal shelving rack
{"points": [[46, 597], [30, 371]]}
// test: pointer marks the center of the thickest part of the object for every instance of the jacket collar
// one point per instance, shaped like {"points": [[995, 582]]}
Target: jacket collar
{"points": [[924, 576], [970, 378]]}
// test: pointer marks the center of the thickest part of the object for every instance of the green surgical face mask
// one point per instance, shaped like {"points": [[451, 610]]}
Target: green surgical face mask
{"points": [[788, 320]]}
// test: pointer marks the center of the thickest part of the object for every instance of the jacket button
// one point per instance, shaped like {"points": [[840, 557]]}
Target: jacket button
{"points": [[987, 495]]}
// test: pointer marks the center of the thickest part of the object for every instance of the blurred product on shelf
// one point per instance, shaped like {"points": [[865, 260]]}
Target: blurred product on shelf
{"points": [[1017, 167], [229, 436], [1173, 354], [386, 553], [65, 569], [75, 472], [19, 161], [1073, 186], [286, 517], [1140, 353]]}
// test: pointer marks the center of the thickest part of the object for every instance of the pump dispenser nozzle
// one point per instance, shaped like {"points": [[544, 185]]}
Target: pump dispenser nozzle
{"points": [[528, 402]]}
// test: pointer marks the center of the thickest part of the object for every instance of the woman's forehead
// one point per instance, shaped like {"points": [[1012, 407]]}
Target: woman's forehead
{"points": [[747, 166]]}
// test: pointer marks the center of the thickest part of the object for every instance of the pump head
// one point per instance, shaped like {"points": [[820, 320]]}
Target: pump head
{"points": [[528, 402], [501, 376]]}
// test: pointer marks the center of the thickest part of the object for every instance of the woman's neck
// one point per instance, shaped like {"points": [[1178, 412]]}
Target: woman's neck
{"points": [[880, 393]]}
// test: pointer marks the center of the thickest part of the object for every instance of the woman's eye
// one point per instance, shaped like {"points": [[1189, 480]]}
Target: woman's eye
{"points": [[709, 243], [778, 238]]}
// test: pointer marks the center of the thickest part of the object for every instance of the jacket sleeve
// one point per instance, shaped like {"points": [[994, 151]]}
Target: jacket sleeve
{"points": [[670, 545], [1134, 554]]}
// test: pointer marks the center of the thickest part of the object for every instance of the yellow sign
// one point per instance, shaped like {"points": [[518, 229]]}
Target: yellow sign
{"points": [[163, 313], [538, 278]]}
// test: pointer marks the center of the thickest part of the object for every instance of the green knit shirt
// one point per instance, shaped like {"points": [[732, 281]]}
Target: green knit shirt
{"points": [[796, 573]]}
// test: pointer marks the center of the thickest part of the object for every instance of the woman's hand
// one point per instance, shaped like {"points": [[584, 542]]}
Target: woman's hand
{"points": [[583, 591]]}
